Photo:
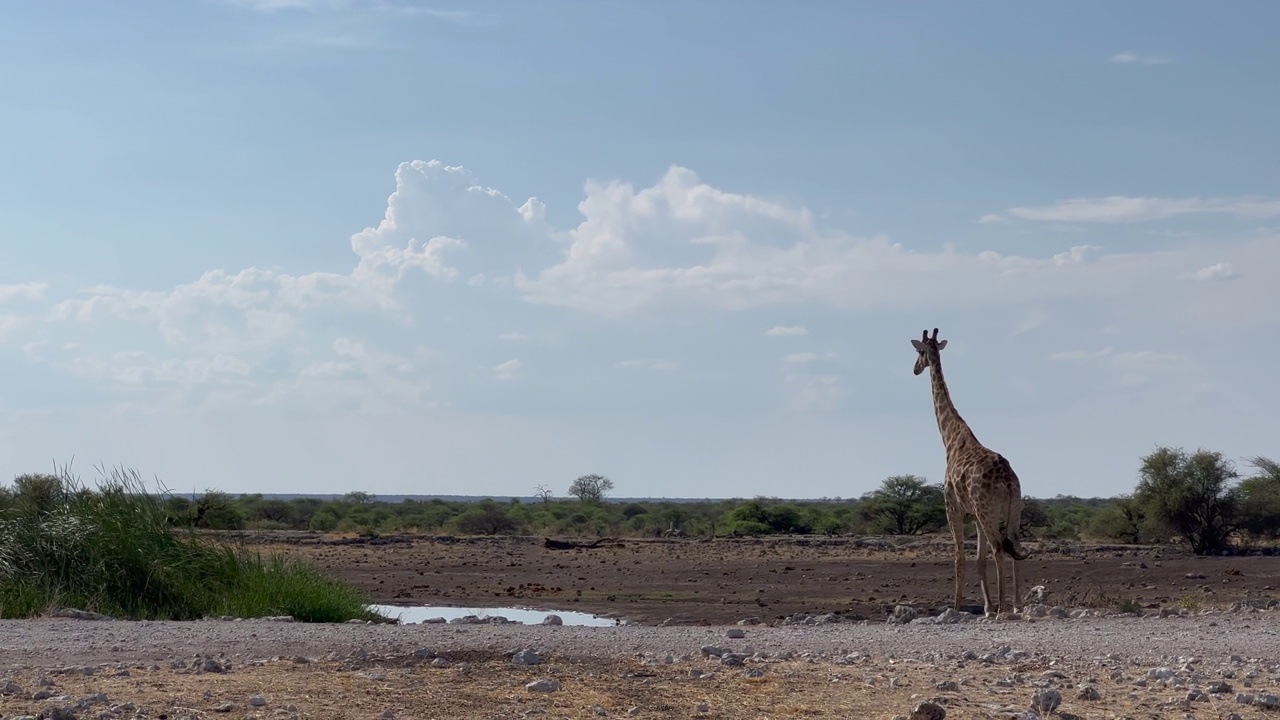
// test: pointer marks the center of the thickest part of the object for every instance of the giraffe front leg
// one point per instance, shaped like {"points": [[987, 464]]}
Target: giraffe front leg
{"points": [[955, 518]]}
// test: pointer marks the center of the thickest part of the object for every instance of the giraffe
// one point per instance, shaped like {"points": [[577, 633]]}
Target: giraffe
{"points": [[979, 483]]}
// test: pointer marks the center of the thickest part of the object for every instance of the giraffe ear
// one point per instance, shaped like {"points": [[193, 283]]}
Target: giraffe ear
{"points": [[919, 346], [942, 344]]}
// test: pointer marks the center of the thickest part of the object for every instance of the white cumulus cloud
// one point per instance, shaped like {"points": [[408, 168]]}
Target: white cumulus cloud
{"points": [[1124, 209], [1216, 271], [1131, 58], [507, 370]]}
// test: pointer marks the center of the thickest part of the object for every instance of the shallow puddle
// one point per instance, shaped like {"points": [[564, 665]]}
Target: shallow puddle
{"points": [[411, 614]]}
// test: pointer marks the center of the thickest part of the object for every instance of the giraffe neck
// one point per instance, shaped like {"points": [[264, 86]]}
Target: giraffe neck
{"points": [[955, 431]]}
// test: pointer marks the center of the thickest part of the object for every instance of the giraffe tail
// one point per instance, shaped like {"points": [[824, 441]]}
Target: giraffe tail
{"points": [[1010, 547]]}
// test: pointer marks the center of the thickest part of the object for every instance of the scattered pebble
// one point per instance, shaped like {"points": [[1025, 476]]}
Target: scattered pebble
{"points": [[544, 686]]}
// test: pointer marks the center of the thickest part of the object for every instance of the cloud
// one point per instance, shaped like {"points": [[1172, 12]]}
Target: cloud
{"points": [[383, 6], [368, 336], [1033, 319], [1217, 271], [746, 252], [1076, 355], [817, 392], [650, 363], [31, 292], [1139, 367], [991, 219], [1131, 58], [1122, 209], [282, 325], [507, 370]]}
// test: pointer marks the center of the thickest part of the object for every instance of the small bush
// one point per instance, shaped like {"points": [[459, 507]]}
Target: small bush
{"points": [[1129, 606], [740, 528]]}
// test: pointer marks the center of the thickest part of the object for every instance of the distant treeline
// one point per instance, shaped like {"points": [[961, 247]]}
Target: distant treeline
{"points": [[1198, 498]]}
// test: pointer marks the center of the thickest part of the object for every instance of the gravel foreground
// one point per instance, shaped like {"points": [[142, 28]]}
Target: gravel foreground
{"points": [[1202, 665], [1213, 636]]}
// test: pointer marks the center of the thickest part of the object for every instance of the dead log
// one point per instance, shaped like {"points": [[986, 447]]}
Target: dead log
{"points": [[551, 544]]}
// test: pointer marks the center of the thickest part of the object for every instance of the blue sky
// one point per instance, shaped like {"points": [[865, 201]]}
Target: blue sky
{"points": [[403, 247]]}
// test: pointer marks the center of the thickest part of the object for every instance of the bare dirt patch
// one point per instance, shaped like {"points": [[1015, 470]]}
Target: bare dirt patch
{"points": [[725, 580]]}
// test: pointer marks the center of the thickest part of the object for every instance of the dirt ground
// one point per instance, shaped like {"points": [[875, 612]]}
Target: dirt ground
{"points": [[718, 581], [1189, 664]]}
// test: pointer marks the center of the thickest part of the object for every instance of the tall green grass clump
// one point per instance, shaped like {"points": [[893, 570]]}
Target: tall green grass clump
{"points": [[115, 550]]}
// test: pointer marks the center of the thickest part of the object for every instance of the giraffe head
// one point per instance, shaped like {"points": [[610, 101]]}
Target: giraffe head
{"points": [[928, 349]]}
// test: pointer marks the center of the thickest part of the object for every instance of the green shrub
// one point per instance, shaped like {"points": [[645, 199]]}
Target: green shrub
{"points": [[115, 551]]}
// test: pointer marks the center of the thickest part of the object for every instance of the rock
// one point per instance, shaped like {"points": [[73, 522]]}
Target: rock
{"points": [[1267, 701], [951, 616], [9, 687], [735, 633], [749, 621], [543, 686], [1088, 693], [1037, 610], [599, 711], [703, 707], [440, 662], [947, 686], [713, 651], [902, 614], [212, 665], [928, 711], [1220, 687], [552, 620], [257, 701], [1046, 700], [224, 708], [526, 657]]}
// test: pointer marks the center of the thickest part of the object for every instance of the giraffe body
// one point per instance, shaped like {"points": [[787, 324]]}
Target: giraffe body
{"points": [[979, 483]]}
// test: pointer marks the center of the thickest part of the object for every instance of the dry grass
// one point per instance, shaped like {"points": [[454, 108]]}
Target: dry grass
{"points": [[491, 687]]}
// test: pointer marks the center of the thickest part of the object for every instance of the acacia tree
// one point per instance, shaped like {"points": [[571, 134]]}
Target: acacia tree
{"points": [[543, 493], [591, 488], [1191, 495], [1260, 499], [905, 505]]}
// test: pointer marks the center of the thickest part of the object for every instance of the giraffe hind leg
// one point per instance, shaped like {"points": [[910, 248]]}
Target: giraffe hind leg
{"points": [[983, 543]]}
